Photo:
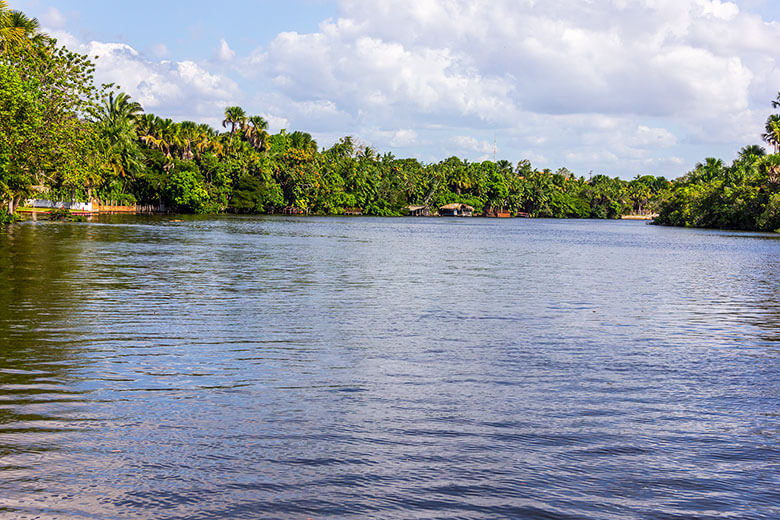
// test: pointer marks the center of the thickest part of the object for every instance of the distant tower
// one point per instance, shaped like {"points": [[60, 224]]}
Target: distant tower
{"points": [[494, 148]]}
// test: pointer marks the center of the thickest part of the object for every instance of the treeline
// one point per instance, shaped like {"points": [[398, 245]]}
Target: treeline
{"points": [[743, 195], [189, 167], [47, 139], [62, 137]]}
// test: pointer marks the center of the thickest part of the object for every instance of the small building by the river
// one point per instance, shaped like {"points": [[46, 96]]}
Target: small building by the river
{"points": [[419, 211], [295, 210], [497, 213], [456, 209]]}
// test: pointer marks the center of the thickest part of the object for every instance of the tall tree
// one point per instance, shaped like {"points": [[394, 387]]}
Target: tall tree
{"points": [[12, 36], [303, 141], [772, 132], [116, 124], [119, 108], [235, 117], [751, 152], [256, 132], [46, 137]]}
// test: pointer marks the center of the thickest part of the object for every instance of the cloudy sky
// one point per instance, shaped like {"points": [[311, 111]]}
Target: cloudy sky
{"points": [[621, 87]]}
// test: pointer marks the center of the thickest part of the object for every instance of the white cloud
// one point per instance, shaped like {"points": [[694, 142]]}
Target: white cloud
{"points": [[721, 10], [160, 50], [472, 145], [53, 18], [362, 72], [557, 56], [225, 53], [182, 90], [535, 158], [652, 137], [276, 123], [673, 161], [401, 138], [605, 84], [592, 156]]}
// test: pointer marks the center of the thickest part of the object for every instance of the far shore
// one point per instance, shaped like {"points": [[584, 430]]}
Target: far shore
{"points": [[33, 212], [638, 217]]}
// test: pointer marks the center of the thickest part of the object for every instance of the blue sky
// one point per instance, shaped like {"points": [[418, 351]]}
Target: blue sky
{"points": [[191, 30], [621, 87]]}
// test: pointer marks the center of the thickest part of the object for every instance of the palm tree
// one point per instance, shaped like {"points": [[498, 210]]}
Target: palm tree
{"points": [[166, 134], [458, 174], [29, 26], [255, 132], [189, 134], [206, 140], [711, 169], [116, 122], [772, 133], [15, 27], [752, 152], [770, 165], [640, 194], [303, 141], [146, 126], [235, 117], [116, 110], [504, 166], [258, 123]]}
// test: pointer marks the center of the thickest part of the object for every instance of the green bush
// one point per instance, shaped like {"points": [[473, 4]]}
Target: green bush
{"points": [[8, 218], [59, 214]]}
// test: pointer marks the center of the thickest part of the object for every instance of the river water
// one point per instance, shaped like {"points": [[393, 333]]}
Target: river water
{"points": [[237, 368]]}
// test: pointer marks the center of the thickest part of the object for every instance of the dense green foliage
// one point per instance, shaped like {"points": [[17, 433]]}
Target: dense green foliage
{"points": [[63, 138], [46, 95], [743, 195]]}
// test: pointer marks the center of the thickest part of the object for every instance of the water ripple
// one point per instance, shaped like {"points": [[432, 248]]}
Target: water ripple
{"points": [[357, 368]]}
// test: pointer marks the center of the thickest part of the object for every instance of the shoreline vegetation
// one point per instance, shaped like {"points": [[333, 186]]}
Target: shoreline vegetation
{"points": [[62, 138]]}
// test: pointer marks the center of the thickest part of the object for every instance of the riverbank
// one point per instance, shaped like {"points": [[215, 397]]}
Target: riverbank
{"points": [[639, 217]]}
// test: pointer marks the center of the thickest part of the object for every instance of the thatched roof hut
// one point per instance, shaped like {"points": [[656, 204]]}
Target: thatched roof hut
{"points": [[456, 209], [419, 211]]}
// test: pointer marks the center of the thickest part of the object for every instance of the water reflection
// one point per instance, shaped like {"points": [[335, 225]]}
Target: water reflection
{"points": [[42, 410], [374, 368]]}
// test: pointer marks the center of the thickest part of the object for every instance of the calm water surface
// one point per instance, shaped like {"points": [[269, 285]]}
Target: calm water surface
{"points": [[238, 368]]}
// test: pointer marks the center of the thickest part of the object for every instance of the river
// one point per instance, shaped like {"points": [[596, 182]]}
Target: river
{"points": [[345, 368]]}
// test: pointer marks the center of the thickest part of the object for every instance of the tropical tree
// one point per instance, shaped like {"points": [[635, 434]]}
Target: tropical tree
{"points": [[707, 171], [166, 138], [117, 122], [769, 165], [46, 137], [208, 141], [29, 26], [116, 126], [13, 33], [146, 126], [235, 117], [303, 141], [119, 109], [20, 118], [504, 166], [772, 132], [344, 148]]}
